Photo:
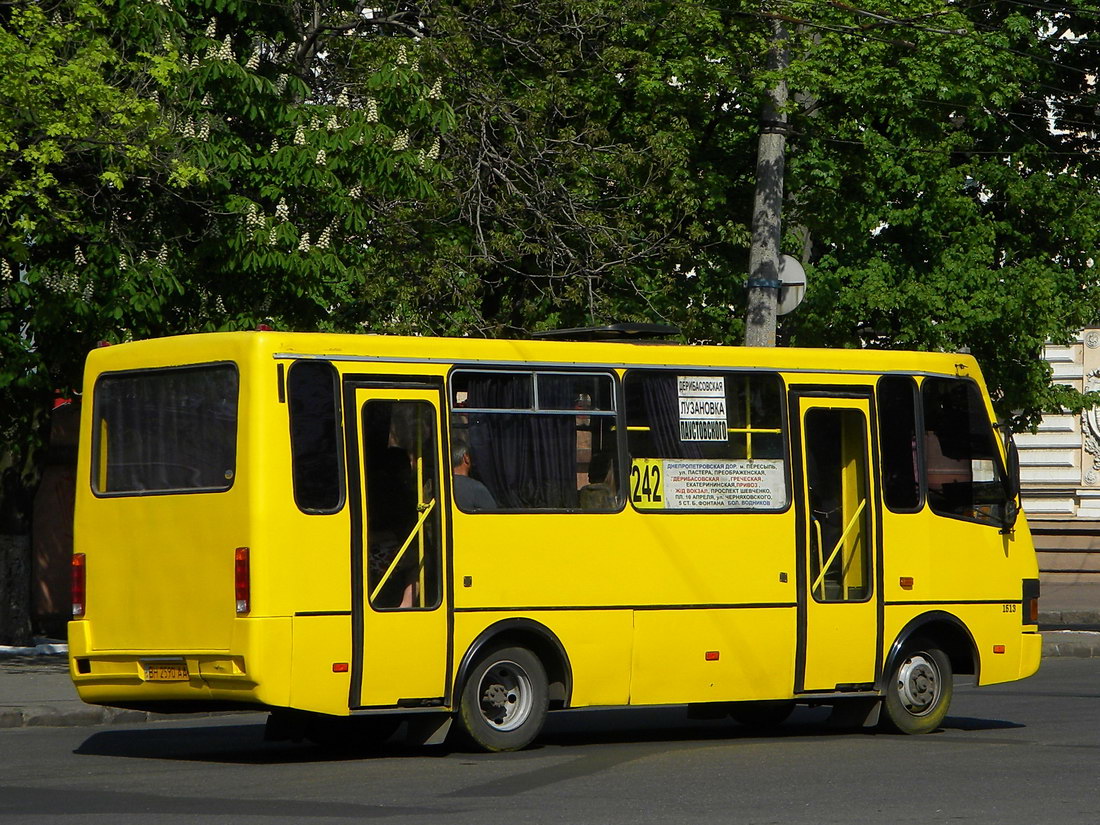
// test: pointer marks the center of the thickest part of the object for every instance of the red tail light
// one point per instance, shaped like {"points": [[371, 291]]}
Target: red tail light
{"points": [[80, 585], [242, 580]]}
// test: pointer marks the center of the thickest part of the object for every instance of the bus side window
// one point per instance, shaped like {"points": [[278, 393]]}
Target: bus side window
{"points": [[315, 437], [960, 452], [897, 423], [540, 440], [705, 440]]}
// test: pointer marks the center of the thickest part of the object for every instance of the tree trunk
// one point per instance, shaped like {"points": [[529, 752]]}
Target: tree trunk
{"points": [[15, 590], [767, 210]]}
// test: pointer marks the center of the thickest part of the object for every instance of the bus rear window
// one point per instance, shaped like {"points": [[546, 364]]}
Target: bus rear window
{"points": [[165, 430]]}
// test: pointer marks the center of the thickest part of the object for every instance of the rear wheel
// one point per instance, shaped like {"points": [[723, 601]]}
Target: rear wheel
{"points": [[504, 700], [919, 689]]}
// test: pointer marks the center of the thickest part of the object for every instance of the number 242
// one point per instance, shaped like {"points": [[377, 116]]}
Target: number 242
{"points": [[645, 483]]}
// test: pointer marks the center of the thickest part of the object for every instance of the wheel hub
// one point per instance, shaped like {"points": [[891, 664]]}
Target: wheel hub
{"points": [[918, 684], [506, 697], [495, 696]]}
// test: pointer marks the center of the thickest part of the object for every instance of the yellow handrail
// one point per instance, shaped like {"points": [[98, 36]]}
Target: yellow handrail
{"points": [[839, 544], [408, 542], [820, 545]]}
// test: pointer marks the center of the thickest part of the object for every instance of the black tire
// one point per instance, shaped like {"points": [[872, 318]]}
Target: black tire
{"points": [[918, 689], [761, 715], [504, 700]]}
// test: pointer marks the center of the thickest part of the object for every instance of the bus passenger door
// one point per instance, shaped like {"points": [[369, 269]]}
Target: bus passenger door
{"points": [[399, 582], [838, 631]]}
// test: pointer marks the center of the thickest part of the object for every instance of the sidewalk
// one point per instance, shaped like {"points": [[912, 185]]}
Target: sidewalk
{"points": [[35, 689]]}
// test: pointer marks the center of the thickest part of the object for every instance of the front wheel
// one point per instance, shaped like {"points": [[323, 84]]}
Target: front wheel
{"points": [[504, 700], [918, 690]]}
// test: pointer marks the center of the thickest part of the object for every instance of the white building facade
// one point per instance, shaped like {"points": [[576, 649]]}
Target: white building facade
{"points": [[1060, 470]]}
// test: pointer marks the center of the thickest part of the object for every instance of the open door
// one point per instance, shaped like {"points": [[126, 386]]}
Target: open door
{"points": [[402, 649], [839, 633]]}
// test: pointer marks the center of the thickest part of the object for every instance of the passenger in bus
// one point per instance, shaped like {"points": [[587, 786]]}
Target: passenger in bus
{"points": [[470, 494], [391, 516], [600, 493]]}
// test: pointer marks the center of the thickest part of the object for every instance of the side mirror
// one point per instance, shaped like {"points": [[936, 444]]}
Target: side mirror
{"points": [[1012, 485]]}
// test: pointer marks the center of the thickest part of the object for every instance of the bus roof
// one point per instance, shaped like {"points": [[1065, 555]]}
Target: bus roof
{"points": [[205, 347]]}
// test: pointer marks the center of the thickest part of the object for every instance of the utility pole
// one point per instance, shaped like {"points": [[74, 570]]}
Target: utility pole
{"points": [[767, 212]]}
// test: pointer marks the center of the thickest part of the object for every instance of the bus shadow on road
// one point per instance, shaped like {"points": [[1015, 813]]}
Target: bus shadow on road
{"points": [[971, 723], [228, 744], [245, 744]]}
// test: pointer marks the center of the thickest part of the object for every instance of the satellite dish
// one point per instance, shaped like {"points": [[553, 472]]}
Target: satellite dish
{"points": [[793, 278]]}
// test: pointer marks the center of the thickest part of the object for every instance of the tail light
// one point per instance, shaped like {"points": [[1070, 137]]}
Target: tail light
{"points": [[1031, 601], [80, 585], [242, 581]]}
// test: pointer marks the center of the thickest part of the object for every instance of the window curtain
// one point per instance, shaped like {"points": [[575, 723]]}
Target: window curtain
{"points": [[170, 430], [528, 462], [662, 412]]}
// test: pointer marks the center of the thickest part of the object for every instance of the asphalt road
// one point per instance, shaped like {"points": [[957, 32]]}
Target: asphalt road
{"points": [[1026, 752]]}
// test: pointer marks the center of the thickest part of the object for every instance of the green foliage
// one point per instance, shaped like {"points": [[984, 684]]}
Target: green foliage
{"points": [[494, 167], [177, 166], [949, 187]]}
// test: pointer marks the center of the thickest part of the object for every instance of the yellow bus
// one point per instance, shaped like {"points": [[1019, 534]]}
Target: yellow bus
{"points": [[460, 533]]}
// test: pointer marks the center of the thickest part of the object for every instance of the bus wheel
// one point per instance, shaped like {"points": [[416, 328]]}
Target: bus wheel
{"points": [[919, 688], [763, 714], [504, 700]]}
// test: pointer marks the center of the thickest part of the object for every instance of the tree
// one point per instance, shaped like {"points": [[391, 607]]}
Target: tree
{"points": [[493, 168], [179, 166], [941, 183], [946, 176]]}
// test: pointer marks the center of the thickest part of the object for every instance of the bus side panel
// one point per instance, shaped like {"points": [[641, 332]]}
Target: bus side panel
{"points": [[596, 642], [321, 674], [990, 626], [630, 559], [713, 655], [976, 562]]}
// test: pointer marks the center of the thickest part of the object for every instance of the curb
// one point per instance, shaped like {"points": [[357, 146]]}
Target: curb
{"points": [[1069, 619], [1080, 644], [74, 715]]}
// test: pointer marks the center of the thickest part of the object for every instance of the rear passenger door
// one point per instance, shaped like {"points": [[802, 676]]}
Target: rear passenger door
{"points": [[399, 535], [839, 624]]}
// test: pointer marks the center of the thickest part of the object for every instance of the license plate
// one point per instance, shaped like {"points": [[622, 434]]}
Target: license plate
{"points": [[166, 671]]}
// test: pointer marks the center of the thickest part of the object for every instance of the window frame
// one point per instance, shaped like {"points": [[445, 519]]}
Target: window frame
{"points": [[918, 427], [96, 446], [440, 546], [341, 468], [592, 371], [784, 434], [998, 458]]}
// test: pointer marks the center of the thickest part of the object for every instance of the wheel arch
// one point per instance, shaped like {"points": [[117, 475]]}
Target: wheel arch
{"points": [[533, 636], [948, 632]]}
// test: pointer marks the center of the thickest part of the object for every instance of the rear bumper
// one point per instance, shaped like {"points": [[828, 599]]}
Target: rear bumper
{"points": [[1031, 654], [253, 671]]}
